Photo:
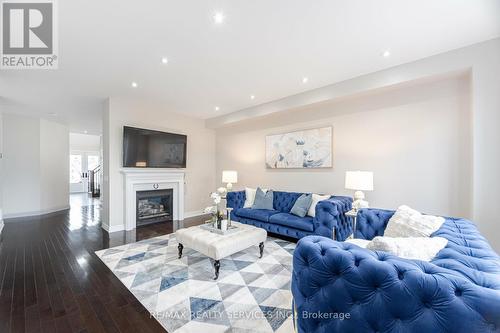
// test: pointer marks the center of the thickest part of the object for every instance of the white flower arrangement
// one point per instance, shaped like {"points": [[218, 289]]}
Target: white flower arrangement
{"points": [[216, 197], [214, 209], [210, 210]]}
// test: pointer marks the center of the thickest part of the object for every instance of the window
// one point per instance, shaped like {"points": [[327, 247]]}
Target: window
{"points": [[92, 162], [75, 169]]}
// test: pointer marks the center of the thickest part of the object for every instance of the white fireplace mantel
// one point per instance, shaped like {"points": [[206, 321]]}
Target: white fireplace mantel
{"points": [[152, 179]]}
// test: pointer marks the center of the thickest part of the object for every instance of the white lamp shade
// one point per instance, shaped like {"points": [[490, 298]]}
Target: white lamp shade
{"points": [[229, 176], [359, 180]]}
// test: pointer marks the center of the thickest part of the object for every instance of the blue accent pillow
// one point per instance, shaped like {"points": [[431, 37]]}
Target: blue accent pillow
{"points": [[301, 205], [263, 200]]}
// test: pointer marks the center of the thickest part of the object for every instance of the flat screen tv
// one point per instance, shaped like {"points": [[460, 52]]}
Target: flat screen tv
{"points": [[143, 148]]}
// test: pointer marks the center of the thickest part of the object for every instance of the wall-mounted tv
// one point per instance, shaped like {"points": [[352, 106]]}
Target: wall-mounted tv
{"points": [[143, 148]]}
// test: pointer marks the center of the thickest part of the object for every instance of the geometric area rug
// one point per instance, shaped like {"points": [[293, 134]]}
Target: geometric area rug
{"points": [[251, 294]]}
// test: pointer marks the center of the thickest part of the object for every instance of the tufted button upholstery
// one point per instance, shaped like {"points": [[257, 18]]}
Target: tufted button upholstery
{"points": [[263, 215], [329, 215], [372, 223], [284, 201], [458, 291]]}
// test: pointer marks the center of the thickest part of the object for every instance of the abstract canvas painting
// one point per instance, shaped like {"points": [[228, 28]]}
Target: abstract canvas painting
{"points": [[311, 148]]}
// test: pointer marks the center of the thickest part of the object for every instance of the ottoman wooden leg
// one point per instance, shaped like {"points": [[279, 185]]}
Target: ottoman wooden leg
{"points": [[261, 248], [216, 266], [180, 247]]}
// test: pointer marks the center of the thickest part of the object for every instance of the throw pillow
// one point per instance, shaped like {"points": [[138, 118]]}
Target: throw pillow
{"points": [[363, 243], [407, 222], [315, 199], [250, 196], [263, 200], [420, 248], [301, 205]]}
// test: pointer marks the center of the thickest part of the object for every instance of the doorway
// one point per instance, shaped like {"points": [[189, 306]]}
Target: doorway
{"points": [[82, 164]]}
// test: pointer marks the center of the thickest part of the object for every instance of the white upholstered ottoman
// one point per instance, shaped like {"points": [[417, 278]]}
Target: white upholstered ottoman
{"points": [[218, 246]]}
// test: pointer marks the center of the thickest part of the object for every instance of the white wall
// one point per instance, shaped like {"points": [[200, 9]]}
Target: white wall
{"points": [[486, 143], [21, 176], [200, 154], [415, 138], [106, 159], [54, 166], [84, 142], [35, 166]]}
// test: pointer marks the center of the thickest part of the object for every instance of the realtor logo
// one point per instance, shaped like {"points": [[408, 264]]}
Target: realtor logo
{"points": [[28, 34]]}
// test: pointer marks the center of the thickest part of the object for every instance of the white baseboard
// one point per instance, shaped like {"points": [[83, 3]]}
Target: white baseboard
{"points": [[193, 213], [35, 213], [113, 228]]}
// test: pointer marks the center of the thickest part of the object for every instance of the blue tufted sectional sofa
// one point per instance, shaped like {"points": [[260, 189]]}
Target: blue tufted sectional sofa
{"points": [[458, 291], [329, 216]]}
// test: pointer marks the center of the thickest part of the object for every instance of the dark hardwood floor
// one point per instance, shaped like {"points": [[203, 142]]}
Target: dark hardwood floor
{"points": [[51, 280]]}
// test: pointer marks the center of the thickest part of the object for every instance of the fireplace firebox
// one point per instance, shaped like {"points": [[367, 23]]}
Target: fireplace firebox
{"points": [[154, 206]]}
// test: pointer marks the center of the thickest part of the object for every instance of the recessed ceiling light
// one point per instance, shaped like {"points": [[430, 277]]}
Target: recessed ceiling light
{"points": [[219, 17], [386, 54], [217, 108], [85, 132], [134, 85], [305, 80], [164, 60], [252, 96]]}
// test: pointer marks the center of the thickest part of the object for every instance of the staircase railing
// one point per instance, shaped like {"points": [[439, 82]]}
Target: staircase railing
{"points": [[95, 177]]}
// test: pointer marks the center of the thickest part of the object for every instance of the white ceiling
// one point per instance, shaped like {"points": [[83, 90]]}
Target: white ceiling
{"points": [[263, 48]]}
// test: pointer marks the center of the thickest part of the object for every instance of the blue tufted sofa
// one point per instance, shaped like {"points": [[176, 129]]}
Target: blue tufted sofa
{"points": [[329, 216], [458, 291]]}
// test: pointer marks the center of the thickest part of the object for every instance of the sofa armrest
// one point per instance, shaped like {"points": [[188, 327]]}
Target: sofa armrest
{"points": [[330, 215], [380, 292], [235, 200], [372, 222]]}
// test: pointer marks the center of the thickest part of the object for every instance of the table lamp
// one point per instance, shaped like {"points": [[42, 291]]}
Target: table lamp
{"points": [[229, 177], [359, 181]]}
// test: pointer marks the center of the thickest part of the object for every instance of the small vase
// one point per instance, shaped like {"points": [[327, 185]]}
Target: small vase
{"points": [[219, 222], [223, 225]]}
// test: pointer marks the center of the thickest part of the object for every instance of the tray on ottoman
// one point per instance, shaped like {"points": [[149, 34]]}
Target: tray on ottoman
{"points": [[230, 229]]}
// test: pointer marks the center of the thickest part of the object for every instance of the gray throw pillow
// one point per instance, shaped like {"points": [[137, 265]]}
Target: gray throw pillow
{"points": [[302, 205], [263, 200]]}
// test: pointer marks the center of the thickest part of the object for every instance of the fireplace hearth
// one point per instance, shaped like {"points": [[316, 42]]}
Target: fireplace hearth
{"points": [[154, 206], [145, 180]]}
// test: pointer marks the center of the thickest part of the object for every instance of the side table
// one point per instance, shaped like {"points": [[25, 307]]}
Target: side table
{"points": [[353, 215]]}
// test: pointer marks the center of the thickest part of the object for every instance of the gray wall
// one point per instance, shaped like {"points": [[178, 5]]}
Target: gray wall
{"points": [[416, 139]]}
